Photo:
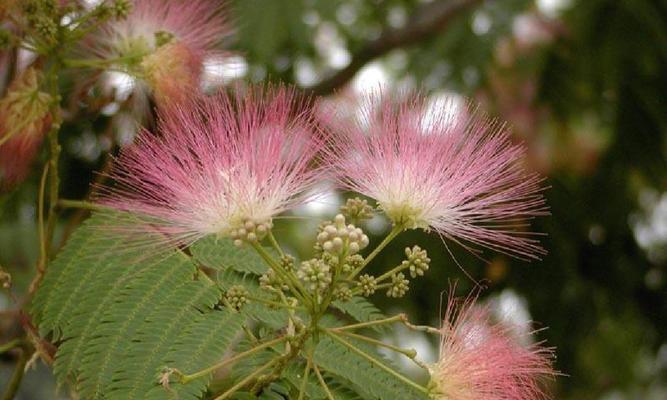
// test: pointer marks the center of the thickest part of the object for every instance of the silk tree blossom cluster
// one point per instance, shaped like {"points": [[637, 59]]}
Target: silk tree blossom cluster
{"points": [[226, 166], [162, 43], [446, 168], [484, 360]]}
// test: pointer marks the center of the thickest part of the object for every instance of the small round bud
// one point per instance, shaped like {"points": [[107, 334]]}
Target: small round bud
{"points": [[316, 274], [238, 243], [368, 284], [236, 296], [399, 286], [357, 210], [343, 293], [121, 9], [251, 237], [417, 262]]}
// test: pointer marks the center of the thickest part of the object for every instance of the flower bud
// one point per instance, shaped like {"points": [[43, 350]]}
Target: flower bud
{"points": [[237, 296]]}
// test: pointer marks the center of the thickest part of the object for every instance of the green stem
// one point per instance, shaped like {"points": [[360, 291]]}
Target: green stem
{"points": [[12, 344], [304, 382], [358, 290], [395, 270], [17, 376], [394, 232], [275, 244], [409, 353], [395, 318], [248, 379], [86, 205], [294, 284], [274, 303], [422, 328], [187, 378], [322, 382], [43, 254], [377, 363]]}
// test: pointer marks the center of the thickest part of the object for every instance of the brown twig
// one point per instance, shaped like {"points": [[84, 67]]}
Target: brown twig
{"points": [[427, 20]]}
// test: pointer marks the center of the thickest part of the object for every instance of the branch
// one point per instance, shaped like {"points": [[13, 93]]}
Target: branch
{"points": [[427, 20]]}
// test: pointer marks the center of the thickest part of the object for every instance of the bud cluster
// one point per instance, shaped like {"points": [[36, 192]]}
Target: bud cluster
{"points": [[368, 284], [357, 210], [336, 237], [237, 296], [316, 274], [271, 281], [417, 262], [399, 286], [251, 231]]}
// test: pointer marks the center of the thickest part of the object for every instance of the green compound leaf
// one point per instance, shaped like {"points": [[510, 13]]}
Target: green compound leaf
{"points": [[119, 317], [221, 253], [359, 309], [365, 378], [273, 317]]}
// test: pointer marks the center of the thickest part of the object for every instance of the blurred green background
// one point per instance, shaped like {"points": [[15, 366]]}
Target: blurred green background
{"points": [[581, 82]]}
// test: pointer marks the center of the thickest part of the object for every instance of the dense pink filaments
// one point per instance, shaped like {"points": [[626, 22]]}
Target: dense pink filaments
{"points": [[216, 165], [483, 360], [199, 24], [441, 166]]}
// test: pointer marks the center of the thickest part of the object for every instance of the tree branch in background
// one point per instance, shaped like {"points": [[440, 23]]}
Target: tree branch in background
{"points": [[427, 20]]}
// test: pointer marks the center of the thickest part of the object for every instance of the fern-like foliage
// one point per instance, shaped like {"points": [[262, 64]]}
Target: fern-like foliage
{"points": [[359, 374], [359, 309], [272, 317], [221, 253], [119, 317]]}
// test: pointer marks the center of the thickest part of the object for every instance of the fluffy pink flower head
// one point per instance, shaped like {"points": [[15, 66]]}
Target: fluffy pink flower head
{"points": [[225, 165], [164, 43], [25, 118], [483, 360], [439, 166]]}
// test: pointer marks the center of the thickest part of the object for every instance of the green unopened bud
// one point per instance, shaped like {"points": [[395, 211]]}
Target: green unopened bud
{"points": [[399, 286], [353, 262], [46, 28], [343, 293], [121, 9], [236, 296], [417, 262], [316, 274], [271, 281], [368, 284], [287, 262], [330, 259], [357, 210]]}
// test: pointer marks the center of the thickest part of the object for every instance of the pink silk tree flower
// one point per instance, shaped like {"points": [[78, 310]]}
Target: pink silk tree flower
{"points": [[223, 165], [484, 360], [163, 44], [25, 118], [441, 166]]}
